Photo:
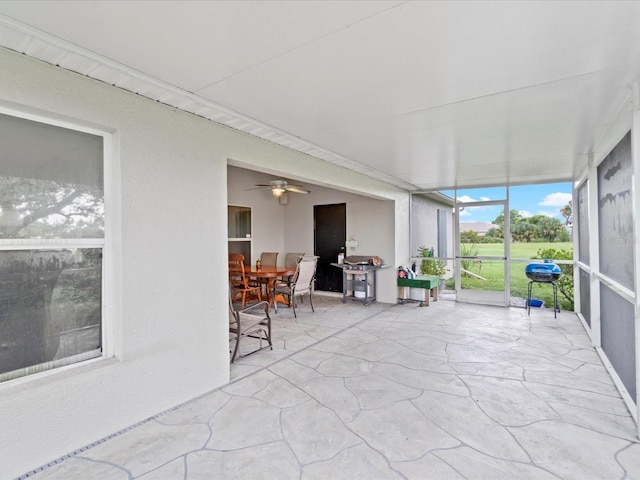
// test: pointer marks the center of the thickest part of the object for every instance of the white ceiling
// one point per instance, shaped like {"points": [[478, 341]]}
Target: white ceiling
{"points": [[422, 94]]}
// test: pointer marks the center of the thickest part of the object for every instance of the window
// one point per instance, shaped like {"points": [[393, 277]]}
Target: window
{"points": [[51, 245], [239, 231]]}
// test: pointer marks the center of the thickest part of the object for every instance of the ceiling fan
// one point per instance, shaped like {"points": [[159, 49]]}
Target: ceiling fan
{"points": [[278, 187]]}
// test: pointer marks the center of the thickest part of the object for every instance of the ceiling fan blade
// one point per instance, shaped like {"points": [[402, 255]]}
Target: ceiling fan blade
{"points": [[264, 185], [296, 189]]}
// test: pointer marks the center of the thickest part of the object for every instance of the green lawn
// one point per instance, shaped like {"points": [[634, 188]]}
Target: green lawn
{"points": [[493, 271]]}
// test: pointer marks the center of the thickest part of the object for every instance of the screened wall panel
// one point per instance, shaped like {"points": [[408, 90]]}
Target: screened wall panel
{"points": [[618, 336], [585, 296], [615, 216], [582, 215]]}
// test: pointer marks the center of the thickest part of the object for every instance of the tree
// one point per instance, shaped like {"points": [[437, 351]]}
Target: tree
{"points": [[524, 231], [469, 236], [514, 217], [32, 208], [527, 229], [494, 233], [547, 227], [567, 213]]}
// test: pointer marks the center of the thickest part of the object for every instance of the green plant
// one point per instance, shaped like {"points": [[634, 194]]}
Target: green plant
{"points": [[468, 250], [430, 266]]}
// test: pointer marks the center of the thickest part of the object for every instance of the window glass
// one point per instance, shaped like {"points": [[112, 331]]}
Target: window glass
{"points": [[239, 231], [50, 307], [51, 181], [51, 194]]}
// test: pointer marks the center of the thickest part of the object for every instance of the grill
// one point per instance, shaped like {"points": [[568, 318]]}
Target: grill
{"points": [[546, 272], [543, 272]]}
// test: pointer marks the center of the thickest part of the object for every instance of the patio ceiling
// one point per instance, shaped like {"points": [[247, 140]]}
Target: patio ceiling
{"points": [[420, 94]]}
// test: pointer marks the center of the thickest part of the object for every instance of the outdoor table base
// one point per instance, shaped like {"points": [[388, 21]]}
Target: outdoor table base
{"points": [[425, 282]]}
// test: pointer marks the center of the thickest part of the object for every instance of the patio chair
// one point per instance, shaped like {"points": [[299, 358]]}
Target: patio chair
{"points": [[291, 260], [301, 283], [254, 322], [238, 281], [267, 259]]}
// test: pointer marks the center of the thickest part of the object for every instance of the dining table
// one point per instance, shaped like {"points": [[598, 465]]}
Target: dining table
{"points": [[271, 274]]}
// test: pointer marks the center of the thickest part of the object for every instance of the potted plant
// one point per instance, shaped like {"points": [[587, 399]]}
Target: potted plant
{"points": [[431, 266]]}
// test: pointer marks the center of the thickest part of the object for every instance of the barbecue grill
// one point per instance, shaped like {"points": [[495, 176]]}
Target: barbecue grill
{"points": [[546, 272], [543, 272]]}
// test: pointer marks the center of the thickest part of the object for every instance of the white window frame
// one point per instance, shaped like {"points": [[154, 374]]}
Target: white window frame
{"points": [[110, 159]]}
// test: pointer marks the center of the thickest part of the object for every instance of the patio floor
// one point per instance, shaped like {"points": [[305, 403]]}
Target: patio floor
{"points": [[449, 391]]}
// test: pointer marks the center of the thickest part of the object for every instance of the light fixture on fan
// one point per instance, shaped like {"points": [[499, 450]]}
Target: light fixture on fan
{"points": [[280, 187]]}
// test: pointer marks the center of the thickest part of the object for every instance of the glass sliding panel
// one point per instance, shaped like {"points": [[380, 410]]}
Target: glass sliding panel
{"points": [[239, 231], [51, 181], [241, 247], [239, 222], [50, 308]]}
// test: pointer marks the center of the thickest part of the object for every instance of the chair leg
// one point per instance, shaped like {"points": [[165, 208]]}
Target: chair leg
{"points": [[311, 301], [235, 350]]}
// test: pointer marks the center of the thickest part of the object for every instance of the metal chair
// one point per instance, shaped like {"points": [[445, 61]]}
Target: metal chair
{"points": [[254, 325], [269, 259], [301, 283], [291, 260]]}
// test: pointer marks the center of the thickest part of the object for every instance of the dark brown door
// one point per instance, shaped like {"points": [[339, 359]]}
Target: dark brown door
{"points": [[330, 233]]}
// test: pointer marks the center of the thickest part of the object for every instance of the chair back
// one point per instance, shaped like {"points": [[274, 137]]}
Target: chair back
{"points": [[305, 274], [292, 259], [269, 259], [236, 270]]}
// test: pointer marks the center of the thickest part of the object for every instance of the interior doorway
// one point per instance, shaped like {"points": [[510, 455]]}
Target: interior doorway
{"points": [[329, 236]]}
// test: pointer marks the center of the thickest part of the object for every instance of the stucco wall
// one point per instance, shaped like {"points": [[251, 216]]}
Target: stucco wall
{"points": [[424, 225], [166, 300]]}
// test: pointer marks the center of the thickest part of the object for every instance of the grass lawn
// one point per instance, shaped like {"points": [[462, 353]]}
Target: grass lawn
{"points": [[493, 271]]}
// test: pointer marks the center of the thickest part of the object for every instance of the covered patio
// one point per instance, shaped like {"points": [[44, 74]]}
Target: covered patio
{"points": [[450, 391], [368, 103]]}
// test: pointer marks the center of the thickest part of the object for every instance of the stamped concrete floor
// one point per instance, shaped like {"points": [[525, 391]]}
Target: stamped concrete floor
{"points": [[450, 391]]}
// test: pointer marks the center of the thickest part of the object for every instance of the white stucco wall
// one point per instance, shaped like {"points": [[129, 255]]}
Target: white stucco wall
{"points": [[166, 298], [424, 224]]}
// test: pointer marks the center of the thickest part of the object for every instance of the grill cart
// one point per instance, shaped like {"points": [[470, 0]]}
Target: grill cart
{"points": [[546, 272]]}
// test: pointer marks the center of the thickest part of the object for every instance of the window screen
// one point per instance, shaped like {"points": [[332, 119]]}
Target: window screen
{"points": [[615, 214], [51, 195]]}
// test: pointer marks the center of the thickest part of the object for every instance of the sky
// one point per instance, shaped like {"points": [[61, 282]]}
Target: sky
{"points": [[529, 200]]}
